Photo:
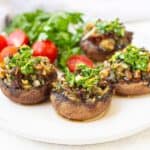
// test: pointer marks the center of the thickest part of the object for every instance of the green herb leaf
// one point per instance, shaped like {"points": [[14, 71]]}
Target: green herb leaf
{"points": [[70, 77], [133, 56], [84, 77], [24, 60], [111, 27], [40, 25]]}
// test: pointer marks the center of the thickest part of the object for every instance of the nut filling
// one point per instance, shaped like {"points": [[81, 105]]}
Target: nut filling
{"points": [[83, 86], [130, 65], [104, 38], [23, 71]]}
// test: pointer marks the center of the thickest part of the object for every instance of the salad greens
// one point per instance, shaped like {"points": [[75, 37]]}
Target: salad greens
{"points": [[111, 27], [133, 56], [63, 28], [24, 60], [84, 77]]}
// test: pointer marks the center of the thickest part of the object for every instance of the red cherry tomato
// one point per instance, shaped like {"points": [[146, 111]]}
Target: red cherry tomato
{"points": [[3, 42], [45, 48], [1, 59], [8, 51], [74, 60], [18, 38]]}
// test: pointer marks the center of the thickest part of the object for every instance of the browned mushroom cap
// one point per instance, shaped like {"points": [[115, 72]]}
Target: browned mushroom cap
{"points": [[28, 97], [93, 51], [78, 111], [133, 88], [97, 53]]}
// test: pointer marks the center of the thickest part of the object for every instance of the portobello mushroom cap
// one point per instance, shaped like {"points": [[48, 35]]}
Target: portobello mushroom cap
{"points": [[97, 53], [78, 111], [32, 96], [133, 88]]}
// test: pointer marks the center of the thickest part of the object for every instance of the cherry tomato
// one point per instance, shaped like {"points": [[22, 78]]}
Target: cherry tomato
{"points": [[1, 59], [18, 38], [8, 51], [45, 48], [3, 42], [74, 60]]}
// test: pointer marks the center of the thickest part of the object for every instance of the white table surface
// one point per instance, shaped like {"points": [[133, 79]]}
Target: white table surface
{"points": [[9, 141]]}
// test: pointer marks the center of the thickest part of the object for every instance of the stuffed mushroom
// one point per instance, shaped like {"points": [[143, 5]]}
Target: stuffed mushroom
{"points": [[129, 71], [101, 39], [26, 79], [81, 95]]}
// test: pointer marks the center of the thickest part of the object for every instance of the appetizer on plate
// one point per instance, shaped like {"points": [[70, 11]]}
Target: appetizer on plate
{"points": [[81, 95], [26, 79], [101, 39], [129, 71], [84, 91]]}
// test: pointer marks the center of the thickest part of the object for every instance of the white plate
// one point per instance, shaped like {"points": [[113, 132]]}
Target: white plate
{"points": [[125, 117]]}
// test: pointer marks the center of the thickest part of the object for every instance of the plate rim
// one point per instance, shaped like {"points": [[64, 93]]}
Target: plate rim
{"points": [[4, 124]]}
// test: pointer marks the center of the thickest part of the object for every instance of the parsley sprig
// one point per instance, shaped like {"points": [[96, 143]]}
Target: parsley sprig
{"points": [[63, 28], [84, 77], [137, 58], [111, 27], [24, 61]]}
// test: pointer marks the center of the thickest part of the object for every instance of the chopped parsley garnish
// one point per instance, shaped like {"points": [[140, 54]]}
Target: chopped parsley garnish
{"points": [[24, 61], [111, 27], [84, 77], [133, 56], [63, 28]]}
